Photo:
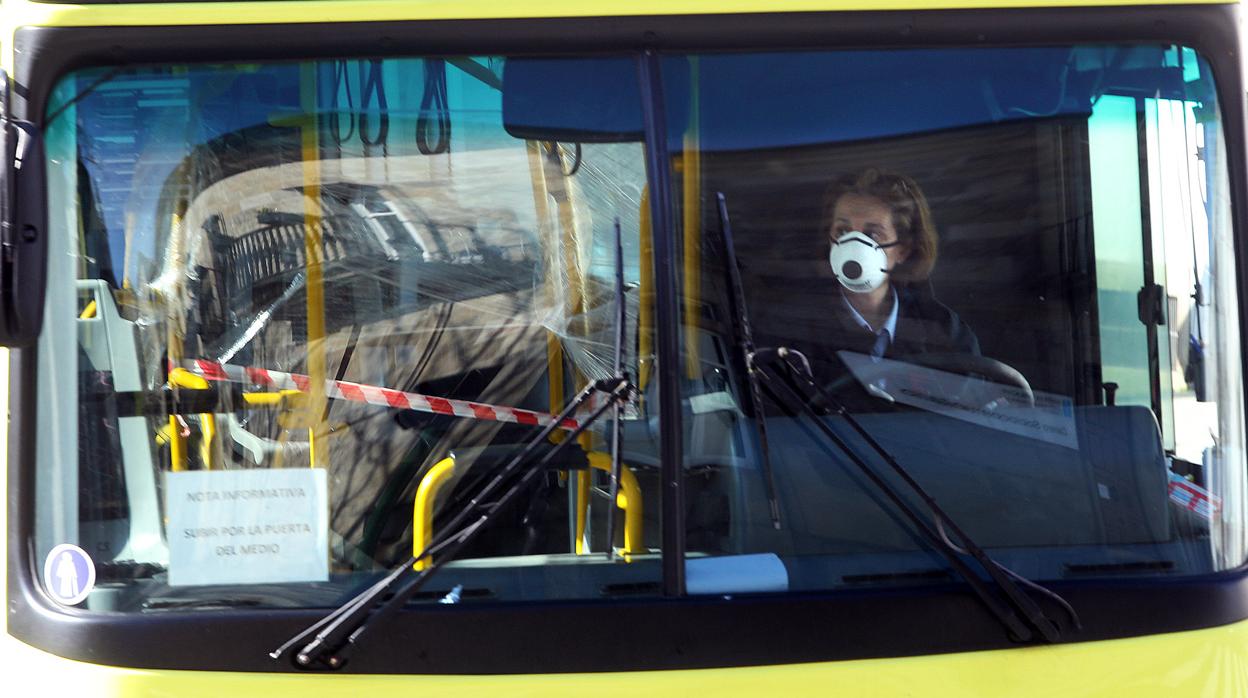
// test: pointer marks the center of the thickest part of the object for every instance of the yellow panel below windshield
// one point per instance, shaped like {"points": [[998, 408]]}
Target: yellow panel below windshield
{"points": [[1212, 662]]}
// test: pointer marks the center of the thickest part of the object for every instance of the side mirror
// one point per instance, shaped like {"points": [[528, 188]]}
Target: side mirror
{"points": [[23, 227]]}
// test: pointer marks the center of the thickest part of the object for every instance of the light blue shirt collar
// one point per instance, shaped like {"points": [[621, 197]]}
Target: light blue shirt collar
{"points": [[890, 325]]}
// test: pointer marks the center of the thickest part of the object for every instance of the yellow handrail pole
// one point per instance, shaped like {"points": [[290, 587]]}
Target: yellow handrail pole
{"points": [[162, 435], [569, 249], [315, 284], [182, 378], [582, 509], [174, 336], [541, 207], [692, 209], [422, 509], [645, 314], [628, 499], [570, 236], [88, 312], [177, 445]]}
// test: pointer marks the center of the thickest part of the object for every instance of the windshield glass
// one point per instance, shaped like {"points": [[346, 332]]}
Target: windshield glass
{"points": [[298, 313], [312, 306], [1015, 268]]}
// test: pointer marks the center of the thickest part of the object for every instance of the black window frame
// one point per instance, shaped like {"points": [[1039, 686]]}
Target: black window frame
{"points": [[674, 632]]}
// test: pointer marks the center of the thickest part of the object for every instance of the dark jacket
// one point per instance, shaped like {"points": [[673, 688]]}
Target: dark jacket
{"points": [[818, 323]]}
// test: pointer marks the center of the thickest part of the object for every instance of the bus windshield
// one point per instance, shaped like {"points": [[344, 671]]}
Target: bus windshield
{"points": [[298, 313]]}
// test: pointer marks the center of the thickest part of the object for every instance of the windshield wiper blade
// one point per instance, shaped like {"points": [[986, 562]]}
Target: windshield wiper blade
{"points": [[1018, 602], [745, 340], [328, 641], [617, 409]]}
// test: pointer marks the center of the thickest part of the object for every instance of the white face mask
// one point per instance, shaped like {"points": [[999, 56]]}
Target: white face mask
{"points": [[859, 262]]}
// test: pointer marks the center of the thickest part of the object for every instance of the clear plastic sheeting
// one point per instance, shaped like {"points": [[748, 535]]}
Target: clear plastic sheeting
{"points": [[589, 338], [439, 256], [607, 187], [349, 265]]}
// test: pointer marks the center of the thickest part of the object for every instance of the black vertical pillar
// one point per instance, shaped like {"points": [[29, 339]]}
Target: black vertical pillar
{"points": [[658, 171]]}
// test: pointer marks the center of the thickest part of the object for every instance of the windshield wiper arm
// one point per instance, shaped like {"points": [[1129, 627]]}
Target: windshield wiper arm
{"points": [[1019, 602], [745, 340], [617, 408], [328, 641]]}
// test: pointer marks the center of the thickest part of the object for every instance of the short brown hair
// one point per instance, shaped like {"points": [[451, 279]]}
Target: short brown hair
{"points": [[911, 216]]}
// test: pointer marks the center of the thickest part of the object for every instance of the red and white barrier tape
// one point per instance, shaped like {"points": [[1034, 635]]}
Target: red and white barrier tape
{"points": [[374, 395], [1193, 498]]}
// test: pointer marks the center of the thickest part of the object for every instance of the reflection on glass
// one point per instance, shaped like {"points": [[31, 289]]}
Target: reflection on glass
{"points": [[316, 307], [332, 298], [1001, 262]]}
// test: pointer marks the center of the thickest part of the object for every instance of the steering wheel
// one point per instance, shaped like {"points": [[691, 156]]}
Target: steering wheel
{"points": [[993, 383], [987, 383]]}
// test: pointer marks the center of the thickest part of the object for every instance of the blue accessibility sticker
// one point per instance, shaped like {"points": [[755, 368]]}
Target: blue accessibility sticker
{"points": [[68, 574]]}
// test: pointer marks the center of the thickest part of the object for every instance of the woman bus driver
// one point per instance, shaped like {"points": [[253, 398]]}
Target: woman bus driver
{"points": [[868, 289], [882, 249]]}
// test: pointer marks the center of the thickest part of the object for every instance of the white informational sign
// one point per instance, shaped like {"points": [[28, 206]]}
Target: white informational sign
{"points": [[247, 526], [992, 405]]}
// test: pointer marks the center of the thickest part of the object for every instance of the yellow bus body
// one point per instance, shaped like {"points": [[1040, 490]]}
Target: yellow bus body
{"points": [[1211, 662], [21, 12]]}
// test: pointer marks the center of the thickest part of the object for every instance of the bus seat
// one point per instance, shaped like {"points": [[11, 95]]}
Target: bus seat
{"points": [[1003, 489]]}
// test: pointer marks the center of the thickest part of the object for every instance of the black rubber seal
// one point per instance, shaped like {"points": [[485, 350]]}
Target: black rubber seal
{"points": [[610, 635]]}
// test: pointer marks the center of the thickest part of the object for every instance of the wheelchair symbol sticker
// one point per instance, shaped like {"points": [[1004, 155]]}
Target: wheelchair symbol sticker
{"points": [[68, 574]]}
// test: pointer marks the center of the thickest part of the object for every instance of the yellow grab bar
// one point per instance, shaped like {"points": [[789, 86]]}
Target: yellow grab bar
{"points": [[282, 398], [628, 499], [422, 510], [182, 378]]}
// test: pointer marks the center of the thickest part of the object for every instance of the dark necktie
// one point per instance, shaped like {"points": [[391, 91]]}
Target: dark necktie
{"points": [[881, 344]]}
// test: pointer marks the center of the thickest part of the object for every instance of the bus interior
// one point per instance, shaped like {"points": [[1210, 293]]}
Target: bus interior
{"points": [[444, 229]]}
